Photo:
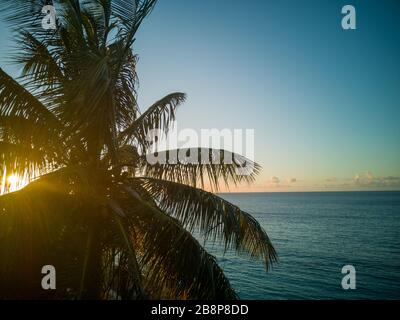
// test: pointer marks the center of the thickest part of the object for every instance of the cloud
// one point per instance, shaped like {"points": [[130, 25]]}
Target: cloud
{"points": [[275, 180], [390, 181], [357, 179], [391, 178], [368, 179], [364, 180]]}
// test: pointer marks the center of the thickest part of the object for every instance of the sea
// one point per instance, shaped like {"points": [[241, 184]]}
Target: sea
{"points": [[316, 234]]}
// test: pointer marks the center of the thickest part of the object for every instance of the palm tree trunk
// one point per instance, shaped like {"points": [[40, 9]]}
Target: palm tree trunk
{"points": [[91, 288]]}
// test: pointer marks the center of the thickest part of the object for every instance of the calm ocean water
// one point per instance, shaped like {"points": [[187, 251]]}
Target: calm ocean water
{"points": [[316, 234]]}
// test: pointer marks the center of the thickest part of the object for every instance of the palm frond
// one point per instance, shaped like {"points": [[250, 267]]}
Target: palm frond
{"points": [[21, 160], [125, 81], [25, 14], [158, 117], [29, 143], [39, 64], [214, 217], [196, 166], [79, 239], [174, 263], [21, 130], [15, 100], [130, 14], [40, 226]]}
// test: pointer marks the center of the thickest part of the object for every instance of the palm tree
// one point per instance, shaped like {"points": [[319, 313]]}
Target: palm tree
{"points": [[112, 224]]}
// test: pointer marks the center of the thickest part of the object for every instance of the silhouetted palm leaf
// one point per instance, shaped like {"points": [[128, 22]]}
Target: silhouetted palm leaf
{"points": [[158, 117], [193, 166], [17, 101]]}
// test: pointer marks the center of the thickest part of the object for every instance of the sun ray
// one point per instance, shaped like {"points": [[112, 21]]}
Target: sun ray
{"points": [[12, 182]]}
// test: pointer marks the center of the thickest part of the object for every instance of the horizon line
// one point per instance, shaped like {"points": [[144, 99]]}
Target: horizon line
{"points": [[305, 191]]}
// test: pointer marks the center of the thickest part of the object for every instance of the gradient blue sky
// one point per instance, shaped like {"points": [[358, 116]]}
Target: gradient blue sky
{"points": [[324, 102]]}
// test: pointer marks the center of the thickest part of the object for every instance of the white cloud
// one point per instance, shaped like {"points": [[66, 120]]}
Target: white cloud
{"points": [[368, 179], [275, 180]]}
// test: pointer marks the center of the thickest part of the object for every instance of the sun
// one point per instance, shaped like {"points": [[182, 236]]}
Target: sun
{"points": [[13, 180]]}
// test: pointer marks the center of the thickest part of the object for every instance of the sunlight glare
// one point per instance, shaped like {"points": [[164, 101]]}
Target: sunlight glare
{"points": [[14, 183], [13, 180]]}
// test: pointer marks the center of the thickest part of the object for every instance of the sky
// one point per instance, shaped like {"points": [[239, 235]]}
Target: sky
{"points": [[323, 101]]}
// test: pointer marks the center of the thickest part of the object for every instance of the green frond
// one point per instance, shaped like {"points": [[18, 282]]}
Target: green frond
{"points": [[15, 100], [40, 226], [19, 129], [174, 264], [214, 217], [40, 66], [23, 161], [196, 166], [125, 84], [25, 14], [130, 15], [59, 219], [158, 117]]}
